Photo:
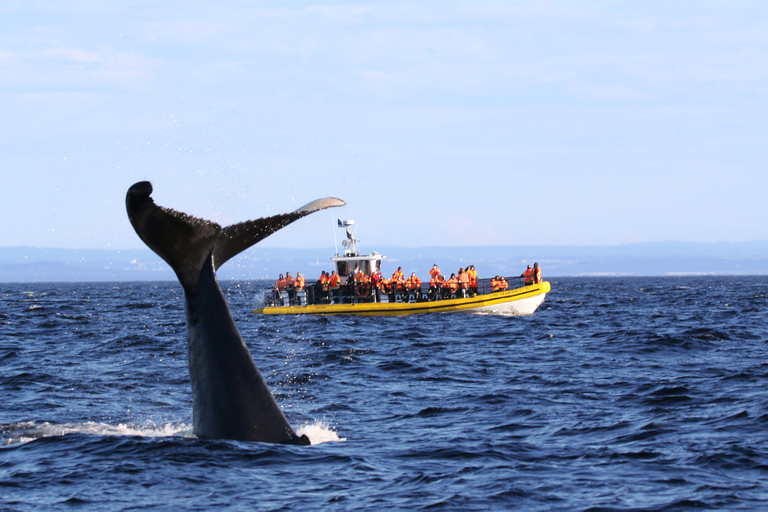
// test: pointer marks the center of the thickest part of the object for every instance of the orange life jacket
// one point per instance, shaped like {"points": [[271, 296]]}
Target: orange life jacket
{"points": [[527, 275]]}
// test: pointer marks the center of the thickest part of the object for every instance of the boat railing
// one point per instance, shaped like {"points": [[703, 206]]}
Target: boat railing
{"points": [[314, 293]]}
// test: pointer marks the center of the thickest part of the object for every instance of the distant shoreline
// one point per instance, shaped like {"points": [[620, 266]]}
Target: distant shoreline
{"points": [[27, 264]]}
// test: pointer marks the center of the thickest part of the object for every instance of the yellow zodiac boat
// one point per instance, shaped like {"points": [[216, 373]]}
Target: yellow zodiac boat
{"points": [[348, 300]]}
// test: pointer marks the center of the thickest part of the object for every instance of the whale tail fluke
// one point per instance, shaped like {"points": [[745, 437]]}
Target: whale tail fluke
{"points": [[186, 242], [236, 238]]}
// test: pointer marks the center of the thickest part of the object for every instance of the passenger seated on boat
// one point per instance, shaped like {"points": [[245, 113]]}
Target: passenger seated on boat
{"points": [[362, 287], [449, 286], [496, 284], [434, 287], [435, 271], [397, 284], [504, 284], [413, 284]]}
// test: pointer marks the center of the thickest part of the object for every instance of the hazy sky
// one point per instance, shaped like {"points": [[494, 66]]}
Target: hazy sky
{"points": [[440, 123]]}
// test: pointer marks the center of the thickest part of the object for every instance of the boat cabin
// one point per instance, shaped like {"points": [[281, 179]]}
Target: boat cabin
{"points": [[347, 261]]}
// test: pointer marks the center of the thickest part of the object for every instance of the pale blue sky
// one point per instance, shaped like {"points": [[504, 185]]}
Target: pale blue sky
{"points": [[440, 123]]}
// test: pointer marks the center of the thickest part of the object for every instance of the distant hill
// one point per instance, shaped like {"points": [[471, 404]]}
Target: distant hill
{"points": [[28, 264]]}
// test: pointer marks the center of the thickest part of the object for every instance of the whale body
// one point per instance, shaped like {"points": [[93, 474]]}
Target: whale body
{"points": [[230, 399]]}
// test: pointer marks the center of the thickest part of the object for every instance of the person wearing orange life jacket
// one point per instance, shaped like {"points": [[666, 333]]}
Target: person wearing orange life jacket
{"points": [[413, 283], [334, 284], [453, 284], [536, 273], [385, 285], [376, 278], [445, 288], [504, 283], [472, 279], [434, 286], [290, 286], [463, 281], [363, 288], [323, 287], [397, 283], [495, 284], [298, 285], [527, 276], [279, 287], [435, 271]]}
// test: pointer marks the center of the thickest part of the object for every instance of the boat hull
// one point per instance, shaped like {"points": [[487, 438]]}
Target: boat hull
{"points": [[520, 301]]}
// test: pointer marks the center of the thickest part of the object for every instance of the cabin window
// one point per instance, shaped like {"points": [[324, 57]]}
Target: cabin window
{"points": [[342, 268], [366, 267]]}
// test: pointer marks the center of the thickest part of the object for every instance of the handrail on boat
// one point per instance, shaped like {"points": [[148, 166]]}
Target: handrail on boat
{"points": [[313, 294]]}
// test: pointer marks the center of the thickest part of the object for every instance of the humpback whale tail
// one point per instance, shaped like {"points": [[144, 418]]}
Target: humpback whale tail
{"points": [[230, 399], [186, 242]]}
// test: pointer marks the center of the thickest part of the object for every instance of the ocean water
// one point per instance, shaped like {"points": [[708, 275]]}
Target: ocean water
{"points": [[618, 394]]}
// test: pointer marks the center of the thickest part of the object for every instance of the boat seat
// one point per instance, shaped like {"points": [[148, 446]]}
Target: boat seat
{"points": [[284, 298], [301, 297]]}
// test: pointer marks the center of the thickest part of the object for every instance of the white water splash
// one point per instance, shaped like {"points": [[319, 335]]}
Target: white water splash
{"points": [[318, 432], [27, 431]]}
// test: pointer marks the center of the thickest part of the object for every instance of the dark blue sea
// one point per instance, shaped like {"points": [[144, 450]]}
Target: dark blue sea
{"points": [[638, 393]]}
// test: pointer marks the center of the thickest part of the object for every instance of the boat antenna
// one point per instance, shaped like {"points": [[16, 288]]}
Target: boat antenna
{"points": [[335, 243], [350, 246]]}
